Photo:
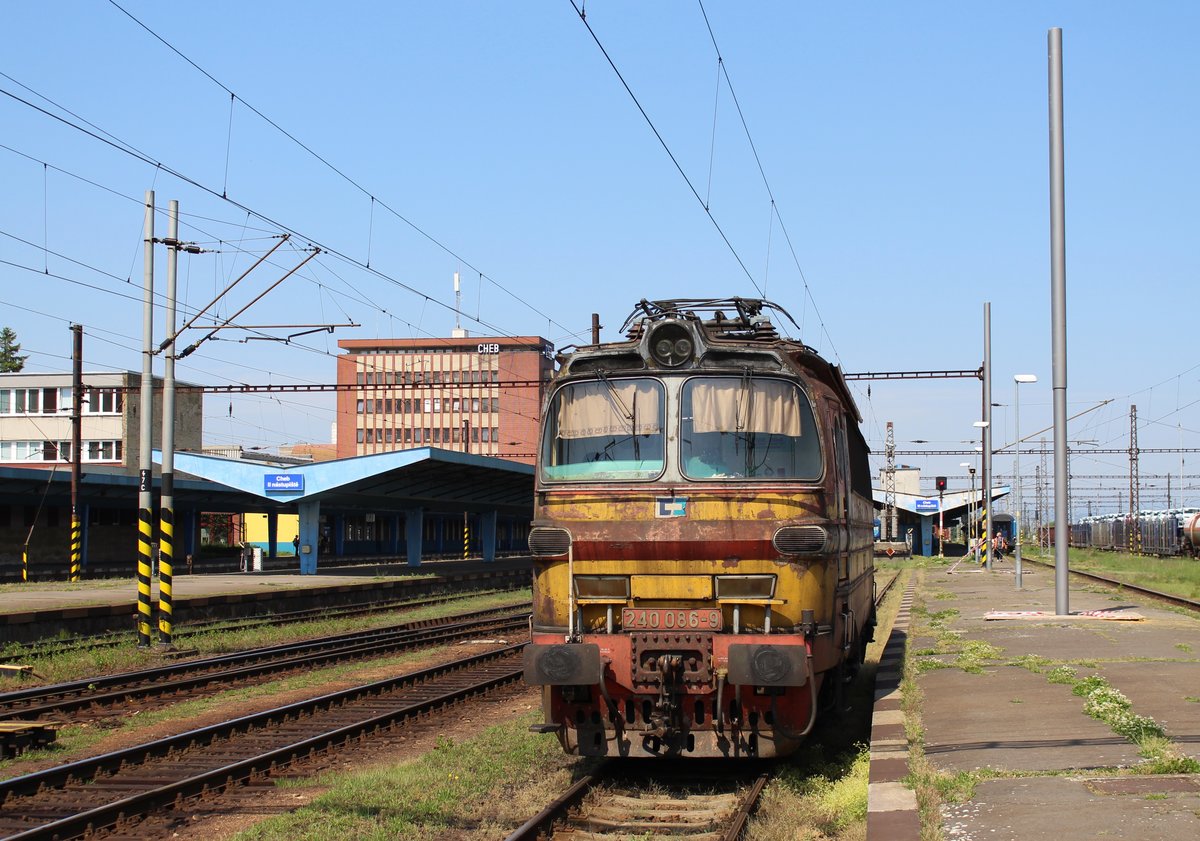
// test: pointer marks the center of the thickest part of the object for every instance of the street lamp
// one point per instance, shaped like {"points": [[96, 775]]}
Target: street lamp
{"points": [[1017, 380]]}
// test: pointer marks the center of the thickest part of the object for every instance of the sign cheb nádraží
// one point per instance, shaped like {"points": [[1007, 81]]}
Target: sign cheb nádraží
{"points": [[284, 483], [924, 505]]}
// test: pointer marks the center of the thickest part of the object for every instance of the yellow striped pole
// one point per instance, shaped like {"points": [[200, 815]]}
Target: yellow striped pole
{"points": [[466, 537], [76, 546], [145, 532], [166, 560], [24, 563]]}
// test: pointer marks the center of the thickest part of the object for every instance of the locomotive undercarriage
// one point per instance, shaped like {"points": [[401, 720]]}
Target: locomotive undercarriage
{"points": [[686, 694]]}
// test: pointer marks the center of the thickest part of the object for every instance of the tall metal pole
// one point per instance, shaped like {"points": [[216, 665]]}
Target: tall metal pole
{"points": [[166, 517], [987, 430], [76, 444], [1058, 318], [1017, 479], [145, 501]]}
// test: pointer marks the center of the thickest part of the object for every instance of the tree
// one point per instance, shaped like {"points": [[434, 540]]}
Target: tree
{"points": [[10, 362]]}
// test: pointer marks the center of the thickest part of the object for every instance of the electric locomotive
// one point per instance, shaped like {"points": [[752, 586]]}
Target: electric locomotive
{"points": [[703, 579]]}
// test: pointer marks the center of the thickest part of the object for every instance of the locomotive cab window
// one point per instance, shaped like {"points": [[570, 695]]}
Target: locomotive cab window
{"points": [[746, 427], [609, 429]]}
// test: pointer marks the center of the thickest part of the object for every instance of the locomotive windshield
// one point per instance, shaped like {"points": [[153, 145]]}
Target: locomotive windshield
{"points": [[607, 429], [744, 427]]}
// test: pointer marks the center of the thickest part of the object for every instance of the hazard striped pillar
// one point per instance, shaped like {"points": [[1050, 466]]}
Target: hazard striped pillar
{"points": [[24, 563], [166, 559], [145, 532], [466, 536], [76, 546]]}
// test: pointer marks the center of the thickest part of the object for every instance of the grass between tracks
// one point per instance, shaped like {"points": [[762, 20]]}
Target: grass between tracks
{"points": [[480, 788], [1177, 576], [75, 665]]}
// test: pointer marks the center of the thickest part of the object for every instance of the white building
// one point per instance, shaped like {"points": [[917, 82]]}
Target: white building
{"points": [[35, 419]]}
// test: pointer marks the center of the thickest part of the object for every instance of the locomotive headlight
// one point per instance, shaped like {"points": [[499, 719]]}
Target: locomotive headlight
{"points": [[671, 344], [745, 586], [602, 586]]}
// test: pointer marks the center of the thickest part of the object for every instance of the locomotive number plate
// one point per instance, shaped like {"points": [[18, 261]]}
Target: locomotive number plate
{"points": [[670, 619]]}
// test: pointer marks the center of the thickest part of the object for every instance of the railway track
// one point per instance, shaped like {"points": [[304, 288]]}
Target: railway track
{"points": [[112, 639], [616, 802], [112, 692], [1169, 598], [116, 790]]}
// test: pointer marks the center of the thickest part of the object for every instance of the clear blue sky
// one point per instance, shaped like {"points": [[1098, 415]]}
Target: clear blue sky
{"points": [[905, 146]]}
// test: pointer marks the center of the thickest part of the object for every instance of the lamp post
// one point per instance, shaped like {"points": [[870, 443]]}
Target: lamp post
{"points": [[1017, 380], [985, 461]]}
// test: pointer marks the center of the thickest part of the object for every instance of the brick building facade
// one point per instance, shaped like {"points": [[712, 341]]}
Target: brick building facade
{"points": [[472, 394]]}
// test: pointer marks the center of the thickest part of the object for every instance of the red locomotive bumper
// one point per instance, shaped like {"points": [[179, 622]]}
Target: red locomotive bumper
{"points": [[675, 694]]}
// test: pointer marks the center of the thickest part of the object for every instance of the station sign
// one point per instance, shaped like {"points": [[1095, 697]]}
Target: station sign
{"points": [[926, 506], [488, 347], [284, 483]]}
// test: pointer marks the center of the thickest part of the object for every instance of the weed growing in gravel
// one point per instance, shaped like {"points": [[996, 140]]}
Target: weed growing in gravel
{"points": [[1061, 674], [1035, 663], [973, 655]]}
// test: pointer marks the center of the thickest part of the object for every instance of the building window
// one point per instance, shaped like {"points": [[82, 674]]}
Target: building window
{"points": [[358, 407], [457, 404], [428, 404], [487, 435], [407, 436], [474, 404], [359, 379], [416, 436], [437, 404], [358, 436], [102, 451], [103, 401], [387, 435], [474, 435], [457, 436], [387, 406], [437, 435], [20, 401], [446, 434], [495, 405]]}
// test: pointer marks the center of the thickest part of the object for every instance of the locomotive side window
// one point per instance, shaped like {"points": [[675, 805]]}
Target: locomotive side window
{"points": [[744, 427], [605, 430]]}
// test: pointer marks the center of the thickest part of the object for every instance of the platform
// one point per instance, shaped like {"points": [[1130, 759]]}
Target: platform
{"points": [[94, 606], [1061, 773]]}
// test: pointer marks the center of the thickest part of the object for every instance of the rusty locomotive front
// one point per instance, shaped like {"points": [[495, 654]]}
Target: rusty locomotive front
{"points": [[702, 538]]}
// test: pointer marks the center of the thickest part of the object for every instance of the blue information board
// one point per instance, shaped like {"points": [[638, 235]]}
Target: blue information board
{"points": [[926, 506], [284, 483]]}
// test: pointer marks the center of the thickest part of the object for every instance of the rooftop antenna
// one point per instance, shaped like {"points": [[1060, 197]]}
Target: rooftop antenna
{"points": [[459, 332]]}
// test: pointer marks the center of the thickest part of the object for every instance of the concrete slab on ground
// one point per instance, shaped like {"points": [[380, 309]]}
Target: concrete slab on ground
{"points": [[1077, 809], [1012, 719], [1172, 698]]}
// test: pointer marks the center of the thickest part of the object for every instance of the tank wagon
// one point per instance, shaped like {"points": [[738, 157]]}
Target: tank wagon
{"points": [[1164, 533], [703, 579]]}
